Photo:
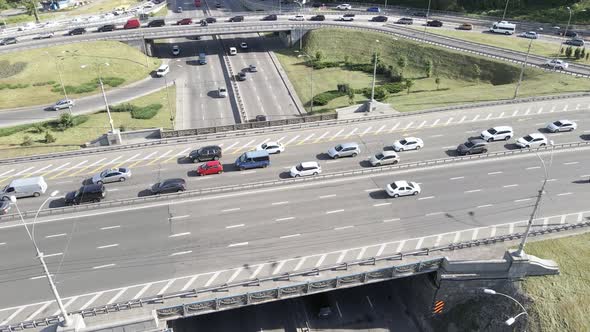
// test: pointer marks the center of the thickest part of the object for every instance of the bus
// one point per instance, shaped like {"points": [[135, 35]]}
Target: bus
{"points": [[197, 3], [503, 27]]}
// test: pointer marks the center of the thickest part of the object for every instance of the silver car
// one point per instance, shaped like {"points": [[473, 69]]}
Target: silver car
{"points": [[384, 158], [112, 175], [344, 150]]}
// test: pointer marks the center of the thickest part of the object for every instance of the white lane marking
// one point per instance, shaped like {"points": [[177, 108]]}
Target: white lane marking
{"points": [[552, 109], [282, 138], [246, 145], [527, 111], [439, 135], [394, 127], [493, 232], [118, 295], [562, 220], [189, 282], [231, 146], [470, 131], [494, 173], [230, 210], [366, 131], [213, 277], [390, 220], [131, 158], [463, 119], [306, 139], [179, 217], [320, 261], [472, 191], [180, 234], [102, 266], [143, 290], [343, 227], [475, 118], [55, 235], [427, 197], [532, 167], [2, 243], [238, 244], [183, 152], [53, 255], [1, 175], [435, 122], [381, 204], [64, 182], [67, 304], [258, 269], [361, 253], [409, 125], [234, 226], [109, 227], [483, 206], [571, 163], [23, 171], [327, 196], [510, 186], [351, 133], [522, 200], [539, 124], [284, 219], [380, 129], [280, 203], [279, 267], [585, 176], [371, 190], [321, 136], [165, 288], [336, 135], [456, 238], [334, 211], [474, 235], [333, 161], [489, 116], [448, 121], [341, 257], [448, 147], [434, 213], [501, 115], [108, 246], [421, 125], [300, 263], [438, 239], [39, 170], [540, 110], [515, 112], [40, 277], [419, 244], [381, 249], [14, 314], [457, 178], [511, 228], [400, 246], [291, 140], [235, 274], [289, 236], [564, 194], [38, 311], [149, 155]]}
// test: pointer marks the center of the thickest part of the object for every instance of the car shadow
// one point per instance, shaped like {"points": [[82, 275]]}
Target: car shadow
{"points": [[511, 146], [388, 148], [544, 130], [56, 203], [285, 175], [380, 194], [323, 156], [213, 94], [192, 173], [582, 181], [86, 182], [230, 168], [452, 153], [144, 193], [192, 62], [585, 137], [184, 160], [49, 109], [365, 163]]}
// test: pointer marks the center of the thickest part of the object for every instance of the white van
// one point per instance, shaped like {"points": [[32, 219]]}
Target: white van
{"points": [[34, 186], [233, 51], [503, 27], [162, 70]]}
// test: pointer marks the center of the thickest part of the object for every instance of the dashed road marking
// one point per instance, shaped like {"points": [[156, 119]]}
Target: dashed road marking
{"points": [[300, 263], [235, 274], [335, 211], [108, 246], [212, 279], [285, 219], [180, 234], [103, 266], [240, 244], [290, 236], [234, 226], [343, 227]]}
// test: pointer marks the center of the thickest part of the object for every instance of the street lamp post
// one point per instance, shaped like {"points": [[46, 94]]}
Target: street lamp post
{"points": [[61, 82], [104, 96], [67, 320], [510, 320], [505, 8], [564, 32], [526, 58], [374, 73], [310, 78]]}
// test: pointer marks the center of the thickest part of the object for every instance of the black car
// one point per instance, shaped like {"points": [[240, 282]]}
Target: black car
{"points": [[218, 5], [169, 186], [211, 20], [318, 18], [379, 19], [77, 31], [238, 18], [575, 42], [472, 147], [8, 41], [89, 193], [206, 153], [261, 118], [241, 76], [434, 23], [569, 33], [156, 23], [271, 17], [106, 27]]}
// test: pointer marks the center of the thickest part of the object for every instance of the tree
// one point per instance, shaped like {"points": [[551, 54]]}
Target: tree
{"points": [[346, 60], [49, 138], [568, 51], [583, 53], [27, 141], [350, 96], [380, 93], [31, 8], [587, 54], [66, 120], [402, 63], [577, 53], [476, 71], [437, 81], [409, 84], [319, 56], [428, 68]]}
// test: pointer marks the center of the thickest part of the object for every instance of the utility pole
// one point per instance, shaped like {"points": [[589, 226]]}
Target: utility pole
{"points": [[520, 251], [505, 8], [526, 58]]}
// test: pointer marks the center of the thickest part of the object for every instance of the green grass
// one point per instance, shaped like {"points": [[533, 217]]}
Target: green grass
{"points": [[124, 62], [459, 82], [561, 303], [97, 124], [161, 12]]}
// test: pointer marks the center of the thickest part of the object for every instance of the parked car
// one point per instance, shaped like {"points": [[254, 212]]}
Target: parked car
{"points": [[44, 35], [405, 20], [92, 193], [575, 42], [402, 188], [271, 147], [379, 19], [222, 92], [497, 134], [62, 104], [271, 17], [112, 175], [384, 158], [318, 18], [77, 31], [562, 125], [556, 64], [210, 167], [162, 70], [169, 186], [465, 26], [408, 143], [529, 35], [434, 23], [241, 76], [211, 20], [260, 118], [305, 169], [344, 150], [185, 21], [8, 41], [344, 6], [533, 140], [156, 23], [298, 18], [252, 68], [374, 9], [106, 28], [206, 153], [473, 147], [238, 18], [244, 45]]}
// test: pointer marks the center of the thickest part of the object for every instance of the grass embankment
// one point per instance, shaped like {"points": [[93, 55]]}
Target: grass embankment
{"points": [[96, 125], [561, 303], [37, 70], [463, 78]]}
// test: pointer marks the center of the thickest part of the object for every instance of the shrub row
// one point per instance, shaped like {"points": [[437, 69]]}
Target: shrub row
{"points": [[90, 86], [137, 112], [324, 98], [44, 83], [13, 86]]}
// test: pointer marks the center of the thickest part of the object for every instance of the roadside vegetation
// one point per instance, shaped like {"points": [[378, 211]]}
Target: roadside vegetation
{"points": [[32, 78], [410, 76], [68, 132]]}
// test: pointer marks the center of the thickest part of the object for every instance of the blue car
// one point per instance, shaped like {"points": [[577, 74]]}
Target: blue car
{"points": [[374, 9]]}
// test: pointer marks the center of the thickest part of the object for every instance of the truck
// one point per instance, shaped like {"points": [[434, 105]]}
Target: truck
{"points": [[503, 27], [33, 186]]}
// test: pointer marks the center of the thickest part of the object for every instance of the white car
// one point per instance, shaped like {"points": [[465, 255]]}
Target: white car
{"points": [[112, 175], [562, 125], [305, 169], [346, 18], [556, 64], [298, 18], [408, 143], [175, 50], [222, 92], [244, 46], [344, 6], [384, 158], [271, 147], [162, 70], [534, 140], [497, 133], [402, 188], [44, 35], [529, 35]]}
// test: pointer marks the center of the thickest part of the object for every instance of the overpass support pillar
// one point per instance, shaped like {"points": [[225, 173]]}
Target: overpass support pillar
{"points": [[149, 47], [77, 324], [293, 37]]}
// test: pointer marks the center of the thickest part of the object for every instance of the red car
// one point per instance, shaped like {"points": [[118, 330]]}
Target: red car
{"points": [[185, 21], [210, 167]]}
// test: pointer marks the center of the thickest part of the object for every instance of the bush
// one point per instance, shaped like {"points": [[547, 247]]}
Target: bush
{"points": [[324, 98], [147, 112], [37, 128], [126, 107], [122, 128], [322, 65], [49, 138], [44, 83], [343, 87], [380, 93], [66, 120], [8, 70], [394, 87], [27, 141], [13, 86], [111, 81], [366, 67], [79, 119]]}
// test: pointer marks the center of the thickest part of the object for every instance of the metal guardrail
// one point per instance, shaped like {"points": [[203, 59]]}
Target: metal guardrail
{"points": [[234, 85], [271, 183], [195, 308]]}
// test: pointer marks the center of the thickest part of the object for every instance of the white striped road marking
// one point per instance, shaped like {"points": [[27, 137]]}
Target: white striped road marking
{"points": [[57, 169], [343, 227], [475, 118], [300, 263], [448, 121], [213, 277], [108, 246], [285, 219], [109, 227], [463, 119], [38, 311], [493, 232], [1, 175], [14, 314], [527, 111], [483, 206], [231, 146], [280, 203], [361, 253], [427, 197], [23, 171], [129, 159], [102, 266], [580, 218], [394, 127], [381, 204], [87, 167], [472, 191], [53, 255], [474, 235], [421, 125], [381, 249], [515, 112], [140, 293], [585, 176], [181, 253], [235, 274], [366, 131], [419, 244], [336, 135], [494, 173], [280, 139], [390, 220], [533, 167], [118, 295], [327, 196], [400, 246], [180, 234], [291, 140], [409, 125], [333, 161], [240, 244], [522, 200], [380, 129], [571, 163], [510, 185], [351, 133], [289, 236], [2, 243], [564, 194], [540, 110], [511, 228], [55, 235], [438, 239], [40, 170], [457, 178], [448, 147], [456, 238], [501, 115], [40, 277], [244, 146], [189, 282], [372, 190], [67, 304], [279, 267], [306, 139], [234, 226], [341, 257], [183, 152], [438, 135], [545, 222], [435, 122], [552, 109], [142, 159], [178, 217], [335, 211], [320, 261], [258, 269], [434, 213], [89, 302], [230, 210], [322, 136], [562, 221], [565, 108], [489, 116], [165, 288]]}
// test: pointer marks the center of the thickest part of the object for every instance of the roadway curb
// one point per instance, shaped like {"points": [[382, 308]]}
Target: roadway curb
{"points": [[287, 83]]}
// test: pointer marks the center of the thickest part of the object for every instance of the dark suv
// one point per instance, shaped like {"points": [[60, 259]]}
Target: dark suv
{"points": [[318, 18], [156, 23], [77, 31], [237, 19], [434, 23], [169, 186], [379, 19], [8, 41], [271, 17], [206, 153], [106, 27], [472, 147], [211, 20], [89, 193]]}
